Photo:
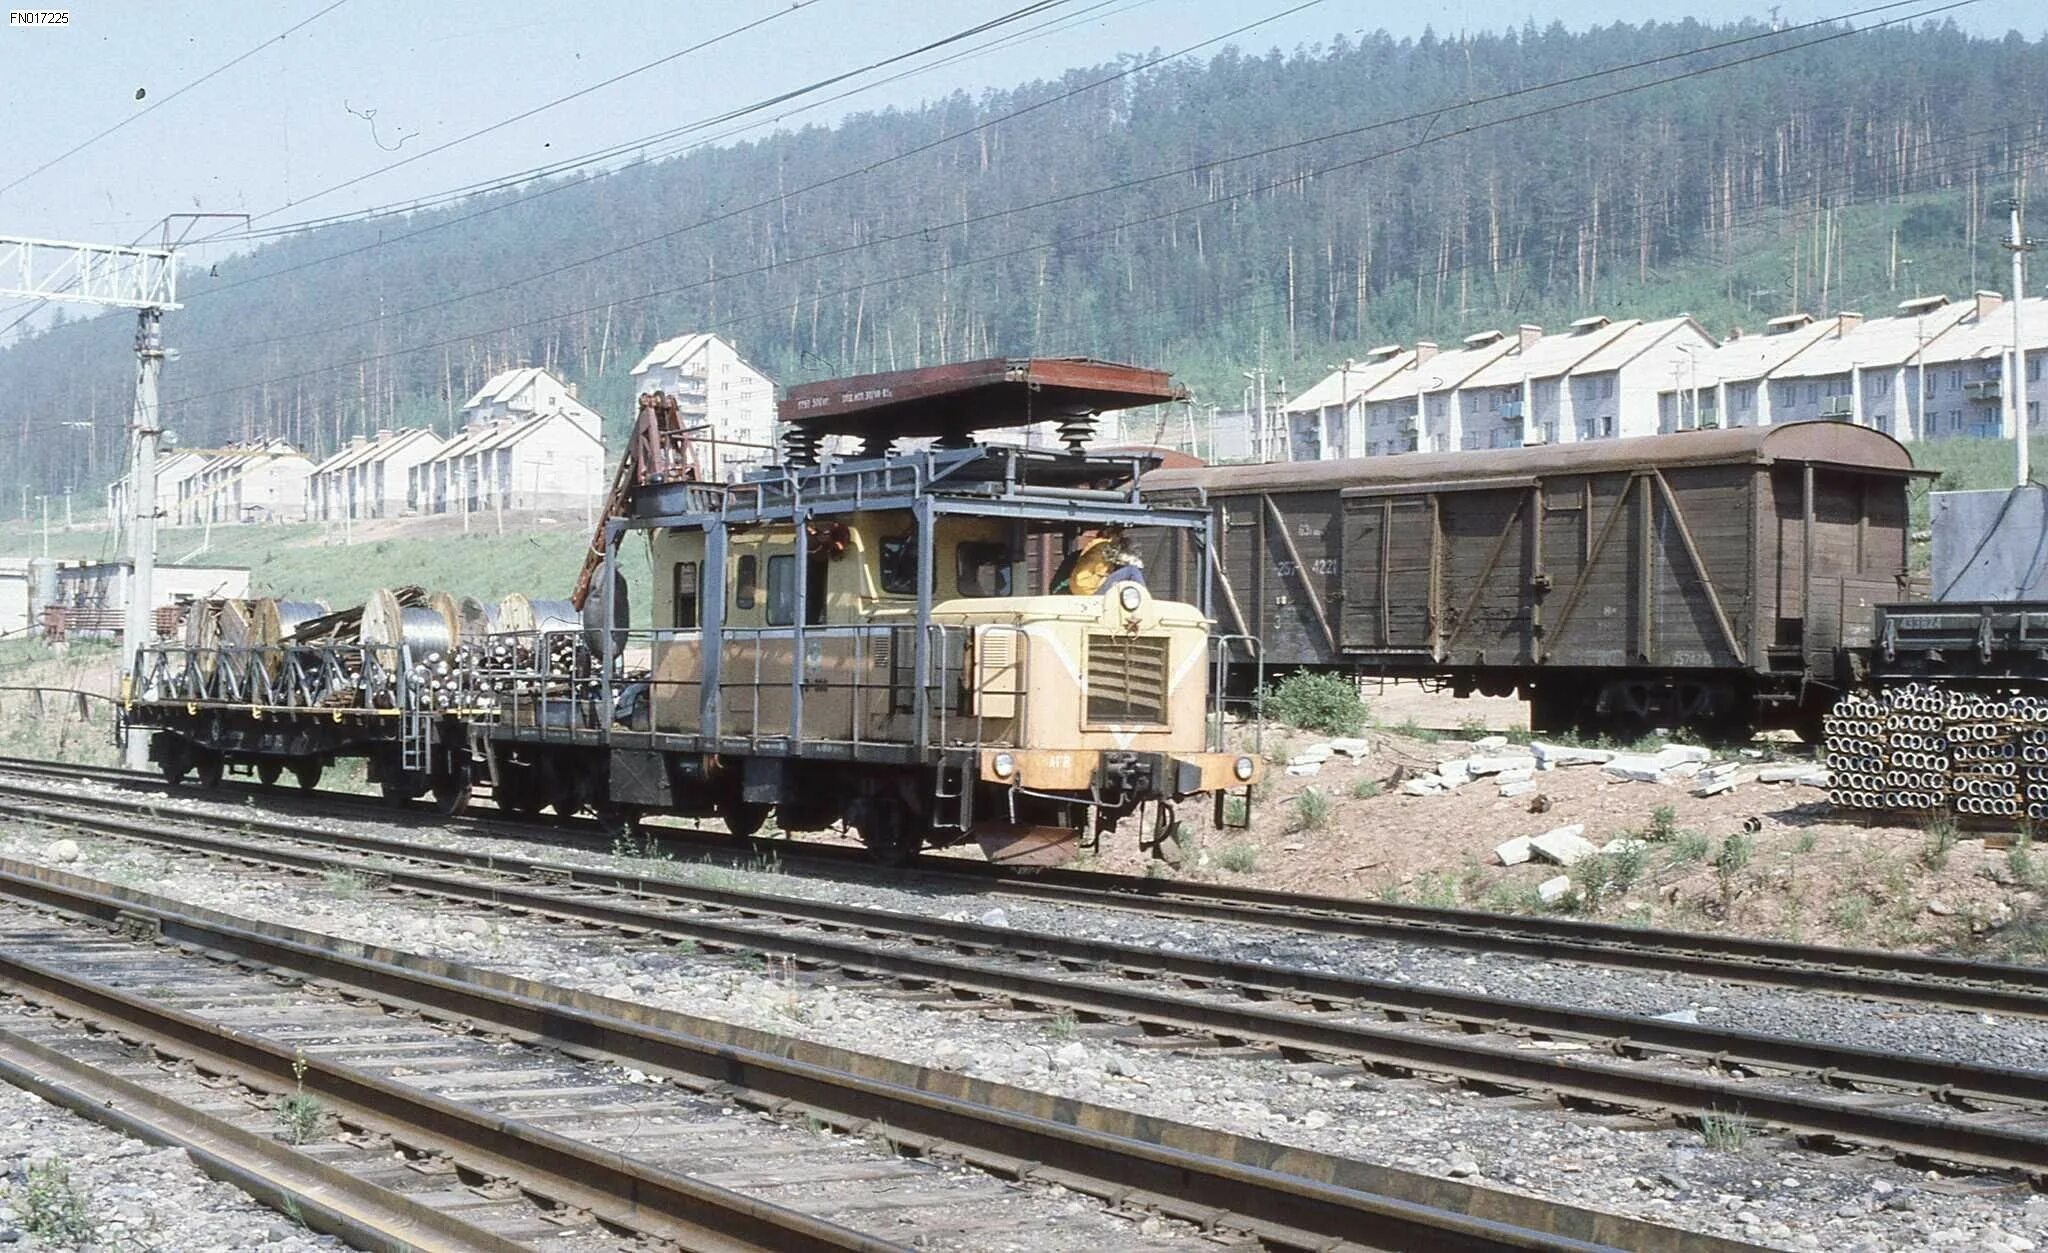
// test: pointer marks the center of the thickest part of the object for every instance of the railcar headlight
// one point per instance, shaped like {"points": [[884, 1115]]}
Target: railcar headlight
{"points": [[1242, 768], [1130, 597], [1004, 765]]}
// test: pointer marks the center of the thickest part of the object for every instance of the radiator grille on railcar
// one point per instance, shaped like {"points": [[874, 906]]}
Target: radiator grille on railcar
{"points": [[1127, 678]]}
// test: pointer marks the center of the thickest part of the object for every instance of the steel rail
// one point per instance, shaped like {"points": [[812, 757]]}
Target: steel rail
{"points": [[1982, 987], [1981, 1144], [1283, 1207], [324, 1198], [1952, 1082], [632, 1194]]}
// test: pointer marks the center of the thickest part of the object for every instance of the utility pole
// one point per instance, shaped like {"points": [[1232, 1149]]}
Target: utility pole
{"points": [[2019, 245], [138, 625], [121, 277]]}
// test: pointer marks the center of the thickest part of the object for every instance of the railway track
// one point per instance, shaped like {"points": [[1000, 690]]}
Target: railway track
{"points": [[1921, 1108], [503, 1104], [1982, 987]]}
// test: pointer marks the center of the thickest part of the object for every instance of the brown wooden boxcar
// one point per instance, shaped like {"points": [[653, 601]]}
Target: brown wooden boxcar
{"points": [[1719, 579]]}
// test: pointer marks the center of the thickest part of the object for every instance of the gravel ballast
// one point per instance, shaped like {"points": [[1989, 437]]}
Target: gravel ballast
{"points": [[1762, 1190]]}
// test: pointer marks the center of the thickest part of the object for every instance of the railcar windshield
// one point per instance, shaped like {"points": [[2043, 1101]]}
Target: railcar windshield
{"points": [[983, 568]]}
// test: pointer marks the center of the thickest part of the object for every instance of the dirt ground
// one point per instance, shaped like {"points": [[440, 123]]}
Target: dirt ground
{"points": [[1764, 859]]}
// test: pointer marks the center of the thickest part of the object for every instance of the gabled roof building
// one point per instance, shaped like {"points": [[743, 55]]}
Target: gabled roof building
{"points": [[730, 404], [371, 478]]}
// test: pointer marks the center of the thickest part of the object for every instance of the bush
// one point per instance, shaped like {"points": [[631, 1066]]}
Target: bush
{"points": [[52, 1208], [1663, 825], [1311, 810], [1325, 703], [1237, 858], [1941, 838]]}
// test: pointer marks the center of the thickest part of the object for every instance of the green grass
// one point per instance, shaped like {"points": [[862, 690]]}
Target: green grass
{"points": [[1311, 810], [51, 1207], [1689, 847], [1941, 840], [1238, 858], [1724, 1132]]}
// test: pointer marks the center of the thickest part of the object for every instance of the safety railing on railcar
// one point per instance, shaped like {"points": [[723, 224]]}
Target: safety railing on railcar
{"points": [[275, 676], [1224, 651]]}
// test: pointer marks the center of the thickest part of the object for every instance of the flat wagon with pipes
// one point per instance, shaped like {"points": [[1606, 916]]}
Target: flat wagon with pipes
{"points": [[835, 640], [1722, 580]]}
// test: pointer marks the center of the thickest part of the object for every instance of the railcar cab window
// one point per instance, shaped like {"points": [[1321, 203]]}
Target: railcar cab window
{"points": [[687, 590], [781, 591], [898, 561], [982, 568], [745, 582]]}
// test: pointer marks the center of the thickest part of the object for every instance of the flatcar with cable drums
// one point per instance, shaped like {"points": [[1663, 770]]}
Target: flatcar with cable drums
{"points": [[837, 641], [1717, 580]]}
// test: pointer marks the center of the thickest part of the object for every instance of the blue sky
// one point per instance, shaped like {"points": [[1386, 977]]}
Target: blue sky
{"points": [[266, 135]]}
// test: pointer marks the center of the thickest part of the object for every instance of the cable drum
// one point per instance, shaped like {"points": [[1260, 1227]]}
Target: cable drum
{"points": [[475, 621], [202, 634], [388, 627], [521, 614]]}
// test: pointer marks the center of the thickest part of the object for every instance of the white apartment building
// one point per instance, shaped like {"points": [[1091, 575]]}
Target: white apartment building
{"points": [[257, 482], [729, 402], [526, 443], [1520, 398], [1411, 409], [1328, 420], [1597, 380], [172, 472], [1934, 369], [1724, 386], [371, 478]]}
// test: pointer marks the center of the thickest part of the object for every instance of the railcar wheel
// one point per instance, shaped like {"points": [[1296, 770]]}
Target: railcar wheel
{"points": [[452, 788], [516, 791], [400, 786], [269, 772], [173, 759], [307, 773], [889, 829], [209, 768], [744, 818], [614, 820]]}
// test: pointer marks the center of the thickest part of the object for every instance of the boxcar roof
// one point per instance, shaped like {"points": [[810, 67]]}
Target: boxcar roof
{"points": [[1824, 443]]}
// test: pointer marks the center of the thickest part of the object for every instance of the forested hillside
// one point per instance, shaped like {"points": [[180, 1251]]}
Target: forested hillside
{"points": [[1323, 200]]}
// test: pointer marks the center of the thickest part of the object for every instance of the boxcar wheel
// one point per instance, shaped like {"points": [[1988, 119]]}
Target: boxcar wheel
{"points": [[269, 772], [516, 792], [744, 818], [616, 821], [209, 768], [173, 759], [307, 773]]}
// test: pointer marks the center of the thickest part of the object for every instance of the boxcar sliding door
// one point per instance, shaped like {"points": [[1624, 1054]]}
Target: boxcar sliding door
{"points": [[1389, 555]]}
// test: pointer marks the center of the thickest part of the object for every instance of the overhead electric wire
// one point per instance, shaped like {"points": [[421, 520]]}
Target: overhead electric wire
{"points": [[546, 171], [563, 165], [161, 101], [1419, 115], [36, 304], [794, 6], [766, 202], [1066, 240]]}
